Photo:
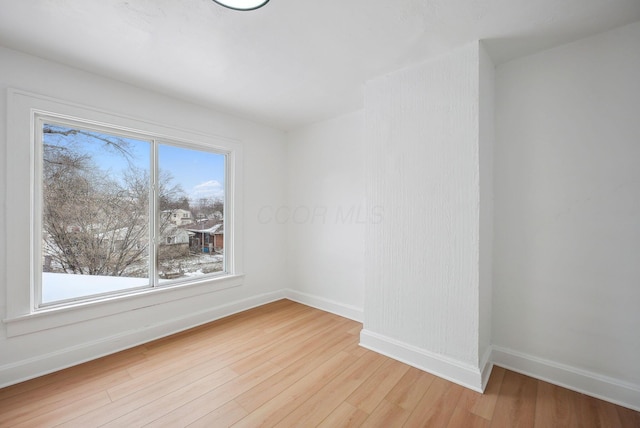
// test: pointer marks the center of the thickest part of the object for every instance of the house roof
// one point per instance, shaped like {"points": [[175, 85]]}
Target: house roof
{"points": [[291, 62], [211, 227]]}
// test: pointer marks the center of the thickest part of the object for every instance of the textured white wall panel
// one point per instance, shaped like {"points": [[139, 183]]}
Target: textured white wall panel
{"points": [[487, 137], [422, 259]]}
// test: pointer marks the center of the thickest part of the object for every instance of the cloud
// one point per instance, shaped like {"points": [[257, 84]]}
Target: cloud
{"points": [[209, 189]]}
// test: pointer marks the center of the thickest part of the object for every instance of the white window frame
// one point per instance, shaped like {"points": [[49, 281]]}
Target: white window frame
{"points": [[24, 315]]}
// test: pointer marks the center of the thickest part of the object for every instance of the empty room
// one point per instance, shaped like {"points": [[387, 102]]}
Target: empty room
{"points": [[319, 213]]}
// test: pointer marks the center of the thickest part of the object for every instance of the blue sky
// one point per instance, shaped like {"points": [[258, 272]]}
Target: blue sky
{"points": [[200, 173]]}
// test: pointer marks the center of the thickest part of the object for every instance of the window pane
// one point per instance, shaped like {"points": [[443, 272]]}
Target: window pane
{"points": [[191, 202], [95, 213]]}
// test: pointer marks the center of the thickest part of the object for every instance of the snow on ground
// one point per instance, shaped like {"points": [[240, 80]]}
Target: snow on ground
{"points": [[63, 286]]}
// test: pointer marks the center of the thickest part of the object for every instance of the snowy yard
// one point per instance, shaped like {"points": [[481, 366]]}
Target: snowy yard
{"points": [[64, 286]]}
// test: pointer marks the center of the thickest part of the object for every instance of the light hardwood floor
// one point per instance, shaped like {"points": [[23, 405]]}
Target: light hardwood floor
{"points": [[285, 365]]}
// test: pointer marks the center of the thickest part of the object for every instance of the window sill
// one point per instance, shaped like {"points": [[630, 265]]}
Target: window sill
{"points": [[48, 318]]}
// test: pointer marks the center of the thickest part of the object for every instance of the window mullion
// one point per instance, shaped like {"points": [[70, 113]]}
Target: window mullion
{"points": [[154, 215]]}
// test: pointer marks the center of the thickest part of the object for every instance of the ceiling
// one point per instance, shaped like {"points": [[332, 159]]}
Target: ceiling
{"points": [[293, 62]]}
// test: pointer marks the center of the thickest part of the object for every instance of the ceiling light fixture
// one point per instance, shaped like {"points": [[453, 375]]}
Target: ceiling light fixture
{"points": [[242, 4]]}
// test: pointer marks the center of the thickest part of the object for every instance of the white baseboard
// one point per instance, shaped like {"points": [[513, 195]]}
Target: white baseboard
{"points": [[596, 385], [44, 364], [486, 367], [455, 371], [327, 305]]}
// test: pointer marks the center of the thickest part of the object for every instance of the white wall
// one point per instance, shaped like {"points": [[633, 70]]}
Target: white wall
{"points": [[264, 153], [326, 214], [422, 262], [567, 214]]}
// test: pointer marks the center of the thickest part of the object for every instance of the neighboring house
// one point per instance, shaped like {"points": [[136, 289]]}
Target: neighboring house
{"points": [[174, 243], [178, 217], [130, 237], [218, 236], [207, 236], [174, 235]]}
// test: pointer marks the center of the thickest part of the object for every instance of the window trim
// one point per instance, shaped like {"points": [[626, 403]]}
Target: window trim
{"points": [[22, 315]]}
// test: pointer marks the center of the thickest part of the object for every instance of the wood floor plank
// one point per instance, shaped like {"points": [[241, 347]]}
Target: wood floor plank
{"points": [[410, 388], [230, 324], [221, 328], [285, 364], [355, 330], [172, 375], [436, 406], [597, 413], [516, 401], [223, 416], [273, 386], [329, 397], [63, 413], [174, 399], [295, 395], [485, 405], [214, 358], [85, 372], [56, 395], [387, 414], [556, 406], [287, 348], [343, 416], [355, 349], [170, 357], [223, 331], [152, 396], [468, 400], [462, 418], [88, 375], [300, 348], [608, 414], [368, 395], [628, 418], [210, 401], [297, 321]]}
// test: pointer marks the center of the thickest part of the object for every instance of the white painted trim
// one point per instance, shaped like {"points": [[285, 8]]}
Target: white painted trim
{"points": [[84, 311], [22, 108], [486, 367], [606, 388], [447, 368], [327, 305], [44, 364]]}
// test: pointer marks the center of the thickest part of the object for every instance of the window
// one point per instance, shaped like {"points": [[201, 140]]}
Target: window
{"points": [[100, 190], [113, 213]]}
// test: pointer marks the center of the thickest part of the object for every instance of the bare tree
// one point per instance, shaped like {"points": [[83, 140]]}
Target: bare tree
{"points": [[92, 224], [95, 222], [109, 142], [208, 207]]}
